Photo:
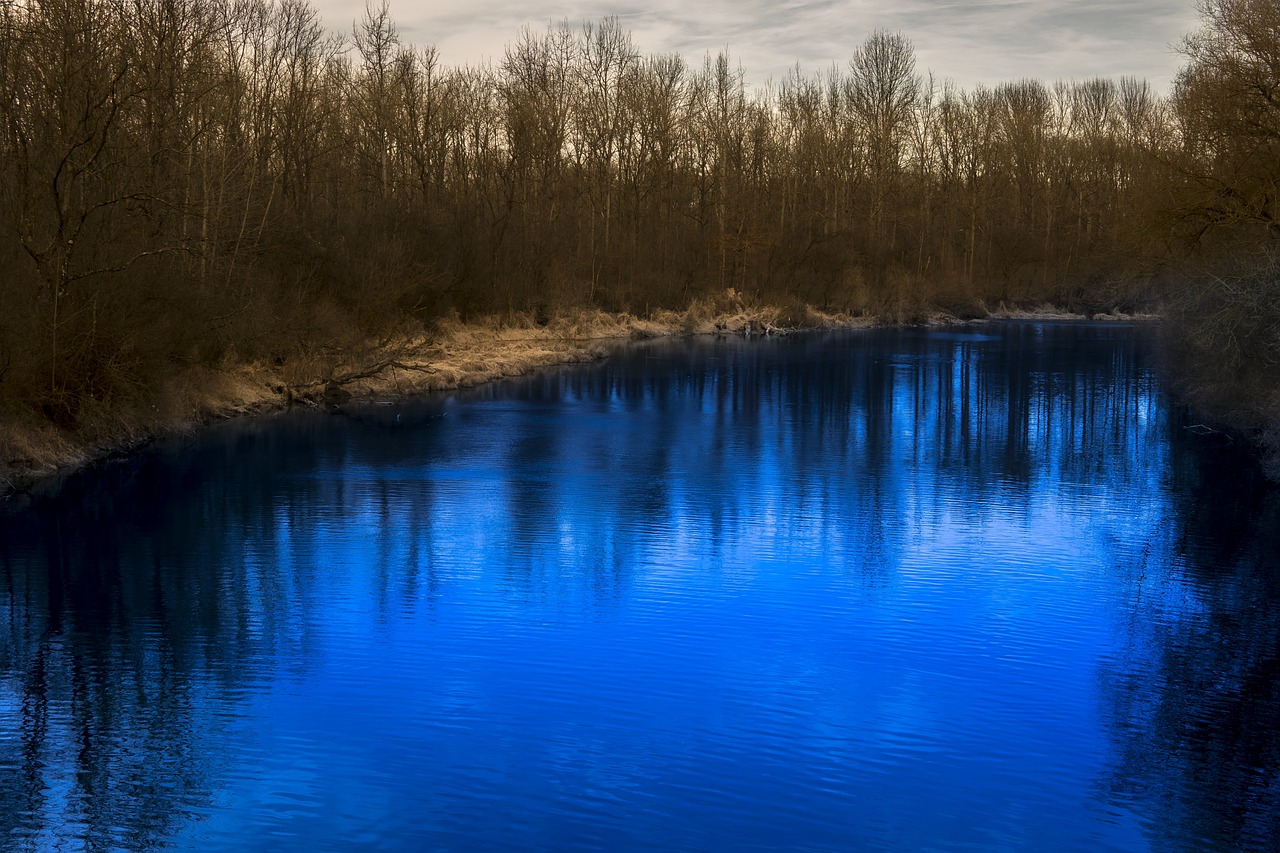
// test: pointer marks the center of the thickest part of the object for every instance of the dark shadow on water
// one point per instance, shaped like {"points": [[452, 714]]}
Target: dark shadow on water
{"points": [[1195, 709]]}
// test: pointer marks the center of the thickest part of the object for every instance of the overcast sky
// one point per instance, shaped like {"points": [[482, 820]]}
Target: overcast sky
{"points": [[985, 41]]}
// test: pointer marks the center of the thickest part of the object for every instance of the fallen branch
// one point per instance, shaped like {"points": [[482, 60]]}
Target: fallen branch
{"points": [[368, 373]]}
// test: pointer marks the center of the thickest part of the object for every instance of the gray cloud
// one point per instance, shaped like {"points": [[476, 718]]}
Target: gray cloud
{"points": [[988, 42]]}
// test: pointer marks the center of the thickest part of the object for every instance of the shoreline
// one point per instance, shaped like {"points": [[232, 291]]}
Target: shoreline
{"points": [[36, 454]]}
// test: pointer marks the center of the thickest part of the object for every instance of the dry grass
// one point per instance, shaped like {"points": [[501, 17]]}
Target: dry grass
{"points": [[1053, 312], [31, 449]]}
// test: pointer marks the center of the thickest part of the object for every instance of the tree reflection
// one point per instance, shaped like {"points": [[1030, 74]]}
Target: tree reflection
{"points": [[131, 602], [150, 597], [1193, 708]]}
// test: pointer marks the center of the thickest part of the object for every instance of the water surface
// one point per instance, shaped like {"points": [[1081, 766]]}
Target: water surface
{"points": [[973, 589]]}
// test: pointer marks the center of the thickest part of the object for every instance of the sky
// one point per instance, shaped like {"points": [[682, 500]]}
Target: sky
{"points": [[986, 41]]}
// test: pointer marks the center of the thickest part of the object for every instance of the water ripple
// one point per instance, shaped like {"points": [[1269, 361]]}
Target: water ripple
{"points": [[888, 590]]}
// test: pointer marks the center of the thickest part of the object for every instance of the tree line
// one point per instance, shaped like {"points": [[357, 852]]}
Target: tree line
{"points": [[184, 182]]}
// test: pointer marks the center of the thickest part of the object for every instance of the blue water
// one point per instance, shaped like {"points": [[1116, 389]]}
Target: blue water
{"points": [[970, 589]]}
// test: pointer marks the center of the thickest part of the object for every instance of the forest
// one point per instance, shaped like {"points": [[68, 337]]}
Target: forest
{"points": [[191, 184]]}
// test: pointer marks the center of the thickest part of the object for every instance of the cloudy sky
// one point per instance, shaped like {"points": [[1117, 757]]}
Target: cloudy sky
{"points": [[983, 41]]}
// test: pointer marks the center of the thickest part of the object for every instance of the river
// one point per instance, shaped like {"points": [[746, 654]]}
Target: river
{"points": [[978, 588]]}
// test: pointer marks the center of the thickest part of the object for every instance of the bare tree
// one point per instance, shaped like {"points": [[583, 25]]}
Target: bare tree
{"points": [[1228, 100], [882, 91], [607, 63]]}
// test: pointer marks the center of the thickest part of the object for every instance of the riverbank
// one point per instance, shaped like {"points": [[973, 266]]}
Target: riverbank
{"points": [[452, 355]]}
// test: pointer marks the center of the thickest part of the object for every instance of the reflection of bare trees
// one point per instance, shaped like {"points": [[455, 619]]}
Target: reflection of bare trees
{"points": [[102, 724], [141, 605], [125, 624], [825, 429], [1193, 707]]}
